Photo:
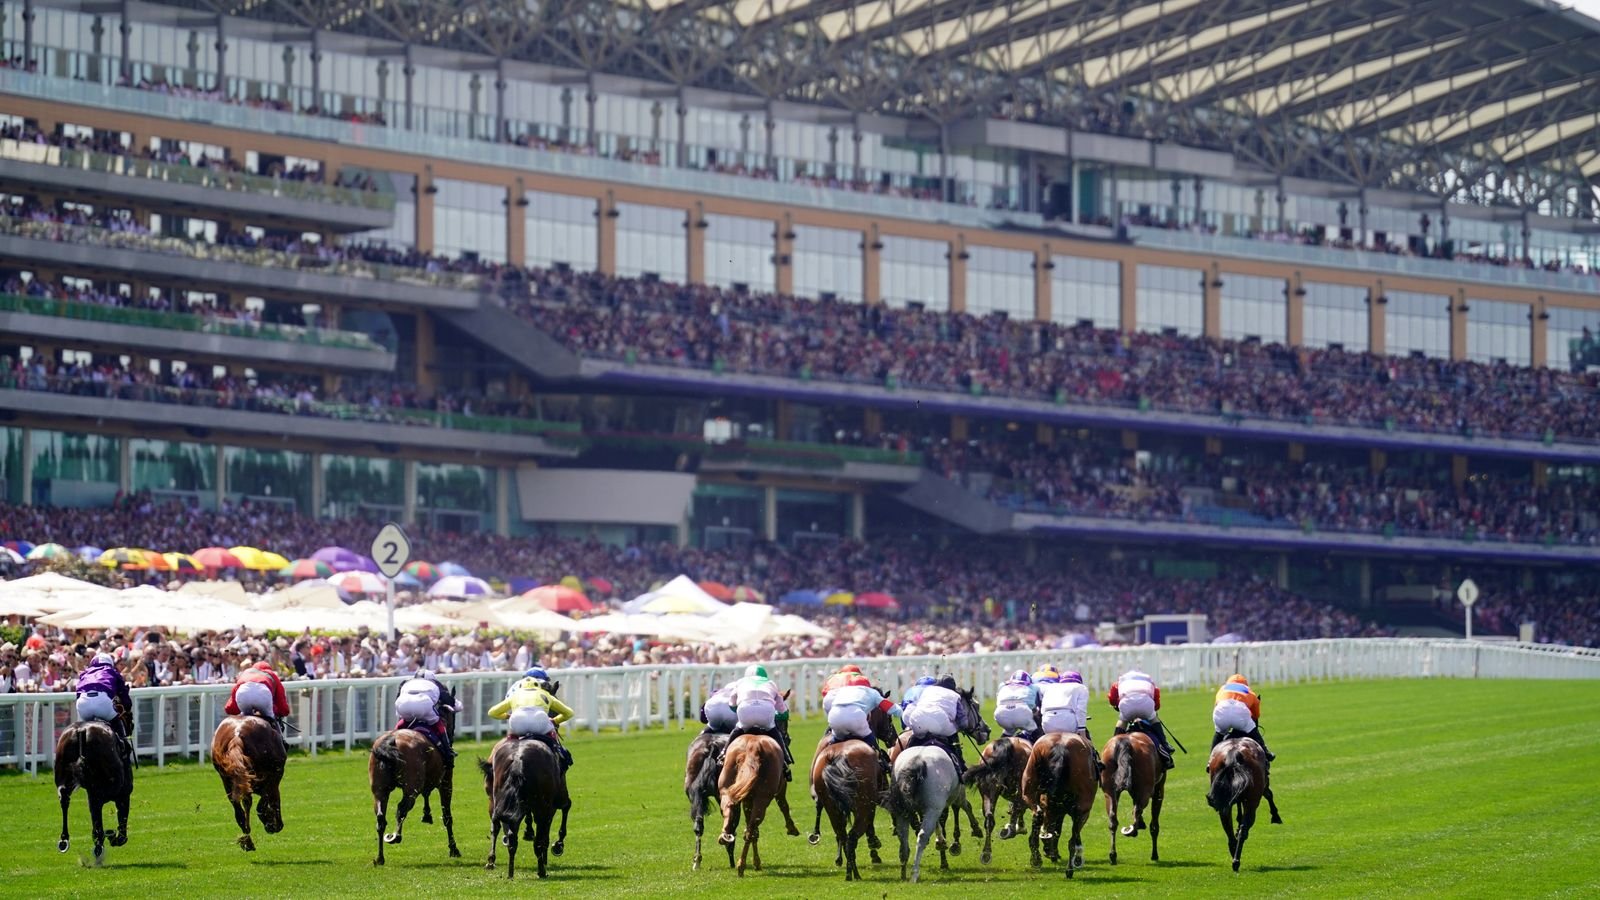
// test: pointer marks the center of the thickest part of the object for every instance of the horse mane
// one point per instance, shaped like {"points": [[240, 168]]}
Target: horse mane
{"points": [[235, 765], [1230, 782]]}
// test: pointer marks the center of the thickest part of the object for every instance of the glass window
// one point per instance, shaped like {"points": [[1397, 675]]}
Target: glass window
{"points": [[1000, 281], [912, 270], [73, 469], [650, 239], [10, 465], [403, 233], [469, 218], [811, 515], [1498, 330], [1572, 334], [1254, 307], [1335, 314], [363, 486], [175, 470], [739, 251], [827, 261], [1082, 288], [1170, 298], [269, 476], [562, 229], [1417, 323]]}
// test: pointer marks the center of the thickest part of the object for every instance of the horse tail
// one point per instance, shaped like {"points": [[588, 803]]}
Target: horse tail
{"points": [[905, 791], [78, 767], [840, 781], [998, 763], [507, 805], [1056, 769], [1122, 762], [744, 779], [386, 752], [704, 784], [236, 768], [1228, 786]]}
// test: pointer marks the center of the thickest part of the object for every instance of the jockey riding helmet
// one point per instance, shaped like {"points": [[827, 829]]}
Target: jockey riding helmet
{"points": [[1020, 676], [755, 670], [1072, 678], [947, 681]]}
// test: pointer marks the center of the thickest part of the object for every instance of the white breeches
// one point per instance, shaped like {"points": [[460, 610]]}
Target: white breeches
{"points": [[1232, 714], [96, 706], [1015, 717], [1062, 721], [416, 709], [758, 714], [926, 720], [528, 720], [1136, 706], [720, 715], [849, 721]]}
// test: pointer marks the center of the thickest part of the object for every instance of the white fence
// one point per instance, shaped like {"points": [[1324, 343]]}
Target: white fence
{"points": [[345, 714]]}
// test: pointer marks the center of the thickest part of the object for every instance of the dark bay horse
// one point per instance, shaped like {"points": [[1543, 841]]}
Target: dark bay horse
{"points": [[1238, 770], [88, 756], [1133, 767], [1059, 782], [404, 759], [751, 778], [845, 778], [700, 774], [999, 776], [524, 780], [249, 755]]}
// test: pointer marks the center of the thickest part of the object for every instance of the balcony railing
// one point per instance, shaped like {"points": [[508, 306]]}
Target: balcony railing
{"points": [[174, 321]]}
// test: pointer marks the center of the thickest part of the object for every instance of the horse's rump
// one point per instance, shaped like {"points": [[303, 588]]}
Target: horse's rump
{"points": [[905, 789], [523, 773], [701, 772], [246, 750], [1232, 767], [999, 759], [748, 756], [87, 753], [839, 780]]}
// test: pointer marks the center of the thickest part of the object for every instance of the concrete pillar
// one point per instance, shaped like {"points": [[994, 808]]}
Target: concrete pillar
{"points": [[958, 428], [408, 506], [424, 376], [1364, 589], [220, 474], [682, 111], [769, 513], [316, 70], [26, 485], [502, 500], [425, 195], [1213, 445], [1377, 460], [694, 221], [957, 255], [784, 416], [1458, 325], [1129, 312], [1377, 303], [1539, 335], [1541, 473], [28, 15], [783, 254], [408, 72], [1458, 470], [319, 487], [1295, 294], [681, 538], [607, 258], [125, 465], [1297, 452], [1211, 302], [517, 225], [871, 421], [502, 128], [221, 46], [1282, 574], [871, 263], [1043, 302], [858, 516]]}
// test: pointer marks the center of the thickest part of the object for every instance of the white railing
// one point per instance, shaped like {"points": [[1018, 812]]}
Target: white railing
{"points": [[347, 714]]}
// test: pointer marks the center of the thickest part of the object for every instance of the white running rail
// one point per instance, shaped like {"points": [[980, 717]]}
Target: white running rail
{"points": [[177, 722]]}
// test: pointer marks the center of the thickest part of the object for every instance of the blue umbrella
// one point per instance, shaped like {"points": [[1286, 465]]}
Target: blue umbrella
{"points": [[407, 580], [801, 598], [523, 585], [449, 568], [89, 553]]}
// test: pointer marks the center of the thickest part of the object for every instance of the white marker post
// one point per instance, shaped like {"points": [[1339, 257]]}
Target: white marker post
{"points": [[391, 550], [1467, 593]]}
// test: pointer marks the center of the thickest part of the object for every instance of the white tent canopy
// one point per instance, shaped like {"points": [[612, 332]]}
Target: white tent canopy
{"points": [[681, 587]]}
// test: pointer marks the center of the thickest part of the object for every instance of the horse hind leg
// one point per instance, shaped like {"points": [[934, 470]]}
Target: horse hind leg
{"points": [[122, 802], [380, 811], [783, 806], [1155, 824], [445, 790], [1247, 818], [1272, 806], [1034, 859], [987, 853], [427, 808], [541, 841], [241, 815], [407, 800], [97, 819], [511, 851], [730, 826], [65, 793], [1111, 816]]}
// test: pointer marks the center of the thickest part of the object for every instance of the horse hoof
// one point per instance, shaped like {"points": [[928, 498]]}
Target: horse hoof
{"points": [[488, 867], [1129, 830], [61, 846], [1276, 819], [1113, 859], [117, 840], [813, 839], [455, 853], [1077, 859], [725, 839], [1236, 865], [1046, 835], [378, 861], [391, 838], [1006, 833], [876, 859], [427, 818], [791, 831], [984, 857], [558, 848], [955, 849]]}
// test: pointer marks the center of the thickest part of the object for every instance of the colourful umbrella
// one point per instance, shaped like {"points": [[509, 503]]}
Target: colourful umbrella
{"points": [[217, 558], [22, 548], [801, 598], [126, 557], [88, 553], [306, 568], [876, 600], [407, 580], [344, 560], [559, 598], [839, 598], [252, 558], [10, 557], [460, 586], [48, 551], [603, 585], [717, 589], [182, 562], [446, 569], [272, 562], [423, 571], [744, 593], [359, 582], [571, 581]]}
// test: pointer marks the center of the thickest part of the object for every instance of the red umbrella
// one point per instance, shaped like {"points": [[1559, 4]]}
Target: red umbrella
{"points": [[556, 598], [718, 590], [306, 568], [217, 558], [603, 585], [876, 600], [423, 571]]}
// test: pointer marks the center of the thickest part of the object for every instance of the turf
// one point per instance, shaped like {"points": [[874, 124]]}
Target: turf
{"points": [[1439, 788]]}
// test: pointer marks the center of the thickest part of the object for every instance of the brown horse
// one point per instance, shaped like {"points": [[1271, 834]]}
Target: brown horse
{"points": [[845, 781], [752, 777], [249, 755], [700, 775], [999, 775], [525, 783], [88, 756], [404, 759], [1132, 767], [871, 791], [1059, 782], [1238, 770]]}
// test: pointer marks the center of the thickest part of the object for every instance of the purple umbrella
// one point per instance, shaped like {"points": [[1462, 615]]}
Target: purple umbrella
{"points": [[341, 559]]}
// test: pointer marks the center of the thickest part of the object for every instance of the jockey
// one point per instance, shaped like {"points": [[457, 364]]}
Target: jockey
{"points": [[103, 697], [717, 712], [936, 717], [849, 709], [1136, 698], [532, 711], [259, 691], [1238, 708], [537, 673], [760, 706], [1065, 706], [915, 691], [419, 706], [1016, 706], [847, 675]]}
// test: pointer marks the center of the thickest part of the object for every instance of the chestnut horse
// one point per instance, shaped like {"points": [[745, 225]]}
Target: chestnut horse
{"points": [[1132, 767], [845, 780], [525, 782], [249, 755], [404, 759], [700, 783], [1059, 782], [1238, 770], [88, 756], [752, 778], [999, 776]]}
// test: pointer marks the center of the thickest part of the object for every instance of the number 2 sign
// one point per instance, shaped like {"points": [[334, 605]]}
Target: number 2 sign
{"points": [[391, 550]]}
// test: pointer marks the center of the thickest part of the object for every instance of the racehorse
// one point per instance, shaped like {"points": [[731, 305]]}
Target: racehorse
{"points": [[700, 781], [924, 789], [1238, 770], [999, 776], [1059, 782], [844, 780], [751, 778], [1132, 766], [523, 779], [88, 756], [249, 755], [405, 759]]}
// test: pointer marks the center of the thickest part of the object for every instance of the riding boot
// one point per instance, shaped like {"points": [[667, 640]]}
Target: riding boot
{"points": [[1256, 736], [1216, 739], [955, 757]]}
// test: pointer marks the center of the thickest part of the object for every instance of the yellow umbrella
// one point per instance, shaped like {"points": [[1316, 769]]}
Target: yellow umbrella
{"points": [[272, 562], [124, 556], [842, 598], [182, 562], [572, 581], [250, 557]]}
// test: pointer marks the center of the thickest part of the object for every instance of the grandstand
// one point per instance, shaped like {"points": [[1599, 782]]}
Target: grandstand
{"points": [[1164, 289]]}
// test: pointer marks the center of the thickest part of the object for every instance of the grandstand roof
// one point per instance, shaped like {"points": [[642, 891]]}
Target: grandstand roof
{"points": [[1480, 100]]}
